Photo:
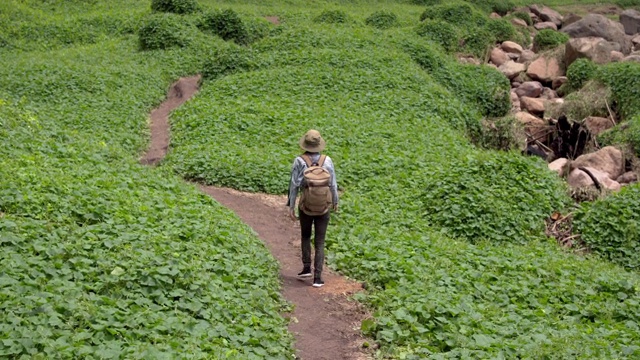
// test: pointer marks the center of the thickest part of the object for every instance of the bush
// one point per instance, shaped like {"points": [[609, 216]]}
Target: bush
{"points": [[483, 86], [175, 6], [440, 32], [611, 227], [461, 14], [477, 42], [426, 2], [623, 79], [332, 17], [382, 19], [493, 196], [505, 133], [625, 135], [628, 3], [501, 7], [228, 61], [524, 16], [501, 29], [227, 24], [164, 31], [548, 39], [591, 100], [579, 72]]}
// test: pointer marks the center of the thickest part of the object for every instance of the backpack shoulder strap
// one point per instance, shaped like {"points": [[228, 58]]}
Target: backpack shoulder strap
{"points": [[321, 160], [307, 159]]}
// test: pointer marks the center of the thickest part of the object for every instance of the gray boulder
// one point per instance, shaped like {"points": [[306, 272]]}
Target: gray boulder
{"points": [[595, 49], [630, 20], [547, 14], [570, 19], [595, 25], [529, 89]]}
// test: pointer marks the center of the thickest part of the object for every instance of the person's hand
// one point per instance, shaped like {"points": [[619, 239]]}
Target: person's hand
{"points": [[292, 214], [335, 207]]}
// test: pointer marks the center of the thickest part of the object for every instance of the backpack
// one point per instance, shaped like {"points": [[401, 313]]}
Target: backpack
{"points": [[316, 196]]}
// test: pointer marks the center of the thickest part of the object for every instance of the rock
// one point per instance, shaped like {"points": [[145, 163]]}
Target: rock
{"points": [[596, 125], [559, 81], [595, 49], [513, 56], [634, 58], [636, 42], [494, 15], [616, 56], [511, 47], [533, 125], [608, 160], [519, 22], [549, 94], [595, 25], [526, 56], [570, 19], [515, 100], [531, 89], [547, 14], [511, 69], [544, 69], [492, 65], [558, 165], [515, 85], [546, 25], [534, 18], [532, 105], [630, 20], [498, 56], [578, 178], [627, 178]]}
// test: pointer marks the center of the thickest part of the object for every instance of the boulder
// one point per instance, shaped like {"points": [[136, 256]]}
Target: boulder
{"points": [[595, 49], [513, 56], [596, 125], [534, 18], [559, 81], [515, 101], [608, 160], [511, 47], [498, 56], [547, 14], [634, 58], [558, 165], [548, 94], [595, 25], [627, 178], [526, 56], [529, 89], [511, 69], [533, 125], [545, 25], [570, 19], [544, 69], [616, 56], [519, 22], [636, 42], [532, 105], [578, 178], [630, 20]]}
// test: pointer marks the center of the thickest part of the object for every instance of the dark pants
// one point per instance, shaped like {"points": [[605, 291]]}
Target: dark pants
{"points": [[319, 223]]}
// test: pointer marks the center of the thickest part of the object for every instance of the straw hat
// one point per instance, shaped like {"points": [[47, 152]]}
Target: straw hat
{"points": [[312, 141]]}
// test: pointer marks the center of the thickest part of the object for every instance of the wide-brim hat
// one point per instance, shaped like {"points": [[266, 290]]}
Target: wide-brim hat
{"points": [[312, 141]]}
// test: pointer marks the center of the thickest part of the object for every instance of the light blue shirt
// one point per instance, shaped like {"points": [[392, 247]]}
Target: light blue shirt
{"points": [[297, 178]]}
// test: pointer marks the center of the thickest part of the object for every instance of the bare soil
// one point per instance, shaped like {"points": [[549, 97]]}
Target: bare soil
{"points": [[325, 321]]}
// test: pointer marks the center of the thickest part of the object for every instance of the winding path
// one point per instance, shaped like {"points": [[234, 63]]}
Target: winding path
{"points": [[325, 321]]}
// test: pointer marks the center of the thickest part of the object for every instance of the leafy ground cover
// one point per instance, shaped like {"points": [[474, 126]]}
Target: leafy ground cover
{"points": [[398, 128], [100, 257]]}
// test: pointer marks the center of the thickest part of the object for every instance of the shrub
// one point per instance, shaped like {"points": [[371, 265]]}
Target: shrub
{"points": [[485, 87], [611, 226], [426, 2], [460, 14], [579, 72], [548, 39], [440, 32], [227, 24], [501, 29], [505, 133], [625, 135], [628, 3], [175, 6], [164, 31], [501, 7], [623, 79], [524, 16], [228, 61], [591, 100], [493, 196], [332, 17], [478, 42], [382, 19]]}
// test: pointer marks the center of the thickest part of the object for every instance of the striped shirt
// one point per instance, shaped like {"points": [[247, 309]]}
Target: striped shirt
{"points": [[297, 178]]}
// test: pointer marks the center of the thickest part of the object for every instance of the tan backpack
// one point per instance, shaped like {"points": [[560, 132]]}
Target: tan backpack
{"points": [[316, 196]]}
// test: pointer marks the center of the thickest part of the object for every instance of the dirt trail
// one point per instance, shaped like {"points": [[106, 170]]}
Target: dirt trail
{"points": [[325, 322]]}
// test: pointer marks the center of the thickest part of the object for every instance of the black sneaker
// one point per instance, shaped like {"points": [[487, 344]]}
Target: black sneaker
{"points": [[305, 273], [317, 282]]}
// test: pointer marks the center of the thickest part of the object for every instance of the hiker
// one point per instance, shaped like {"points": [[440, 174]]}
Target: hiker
{"points": [[315, 175]]}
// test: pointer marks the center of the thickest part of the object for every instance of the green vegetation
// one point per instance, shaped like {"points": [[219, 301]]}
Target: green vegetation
{"points": [[579, 72], [524, 16], [105, 258], [229, 26], [440, 32], [628, 3], [164, 31], [382, 19], [623, 79], [548, 39], [175, 6]]}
